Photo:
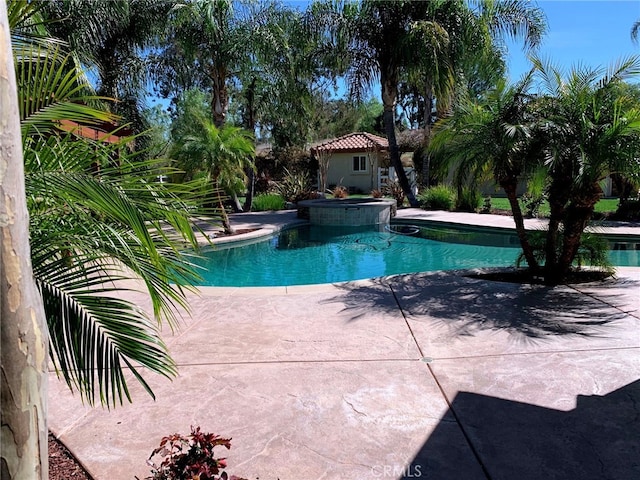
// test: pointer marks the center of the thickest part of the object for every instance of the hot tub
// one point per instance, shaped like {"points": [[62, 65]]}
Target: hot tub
{"points": [[353, 212]]}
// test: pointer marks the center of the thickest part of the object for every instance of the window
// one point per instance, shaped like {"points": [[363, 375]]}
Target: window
{"points": [[360, 163]]}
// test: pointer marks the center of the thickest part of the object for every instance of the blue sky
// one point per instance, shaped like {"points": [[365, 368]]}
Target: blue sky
{"points": [[591, 33]]}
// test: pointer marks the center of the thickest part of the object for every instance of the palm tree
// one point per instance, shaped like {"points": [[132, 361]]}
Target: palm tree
{"points": [[387, 35], [493, 134], [591, 131], [223, 154], [289, 71], [206, 42], [112, 40], [90, 231]]}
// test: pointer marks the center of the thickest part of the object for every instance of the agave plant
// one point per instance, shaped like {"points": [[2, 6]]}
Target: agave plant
{"points": [[97, 218]]}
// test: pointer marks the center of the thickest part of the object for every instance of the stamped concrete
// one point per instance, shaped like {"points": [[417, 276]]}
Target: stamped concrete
{"points": [[434, 376]]}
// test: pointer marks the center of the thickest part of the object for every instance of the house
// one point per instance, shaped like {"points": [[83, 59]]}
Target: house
{"points": [[358, 161], [103, 132]]}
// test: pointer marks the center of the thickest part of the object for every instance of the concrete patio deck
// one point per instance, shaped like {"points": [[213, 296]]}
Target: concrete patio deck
{"points": [[433, 376]]}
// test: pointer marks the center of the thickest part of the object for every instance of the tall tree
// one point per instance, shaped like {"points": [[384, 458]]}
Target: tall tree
{"points": [[494, 134], [387, 34], [591, 130], [206, 43], [222, 154], [380, 33], [112, 39], [23, 332], [289, 73]]}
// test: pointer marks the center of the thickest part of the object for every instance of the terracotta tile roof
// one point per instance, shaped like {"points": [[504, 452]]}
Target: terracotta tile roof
{"points": [[353, 142], [104, 132]]}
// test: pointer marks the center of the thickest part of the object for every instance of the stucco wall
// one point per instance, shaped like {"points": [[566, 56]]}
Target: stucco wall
{"points": [[341, 172]]}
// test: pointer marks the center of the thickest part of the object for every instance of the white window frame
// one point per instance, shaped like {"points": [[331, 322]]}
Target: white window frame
{"points": [[362, 162]]}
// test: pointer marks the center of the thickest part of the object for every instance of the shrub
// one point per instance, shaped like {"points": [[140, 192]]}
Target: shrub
{"points": [[393, 189], [340, 192], [486, 206], [264, 183], [191, 456], [627, 210], [531, 204], [268, 201], [440, 197], [593, 251], [295, 186], [468, 200]]}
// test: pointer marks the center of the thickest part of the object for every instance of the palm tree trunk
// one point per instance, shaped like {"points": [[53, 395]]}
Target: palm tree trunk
{"points": [[219, 96], [226, 224], [578, 214], [249, 122], [23, 336], [251, 190], [428, 107], [576, 220], [389, 93], [558, 197], [235, 202], [510, 186]]}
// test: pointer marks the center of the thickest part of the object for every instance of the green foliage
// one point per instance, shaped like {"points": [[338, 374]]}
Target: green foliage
{"points": [[190, 457], [267, 202], [158, 135], [340, 117], [113, 39], [535, 195], [491, 137], [468, 200], [531, 204], [295, 186], [97, 219], [84, 229], [593, 251], [486, 205], [394, 190], [224, 153], [205, 42], [284, 85], [589, 130], [339, 192], [439, 197], [628, 210]]}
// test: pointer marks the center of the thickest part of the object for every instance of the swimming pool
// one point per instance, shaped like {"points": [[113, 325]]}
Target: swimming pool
{"points": [[312, 254]]}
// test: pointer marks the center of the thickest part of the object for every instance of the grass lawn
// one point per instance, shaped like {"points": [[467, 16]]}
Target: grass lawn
{"points": [[606, 205]]}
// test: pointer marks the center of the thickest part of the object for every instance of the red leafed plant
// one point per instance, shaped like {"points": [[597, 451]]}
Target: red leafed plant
{"points": [[190, 457]]}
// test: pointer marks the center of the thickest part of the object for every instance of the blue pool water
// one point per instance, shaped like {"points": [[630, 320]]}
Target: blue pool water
{"points": [[319, 254]]}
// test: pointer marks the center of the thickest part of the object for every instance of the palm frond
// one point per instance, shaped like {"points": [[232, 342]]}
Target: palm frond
{"points": [[515, 18], [51, 91], [634, 30], [94, 228], [94, 335], [622, 69]]}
